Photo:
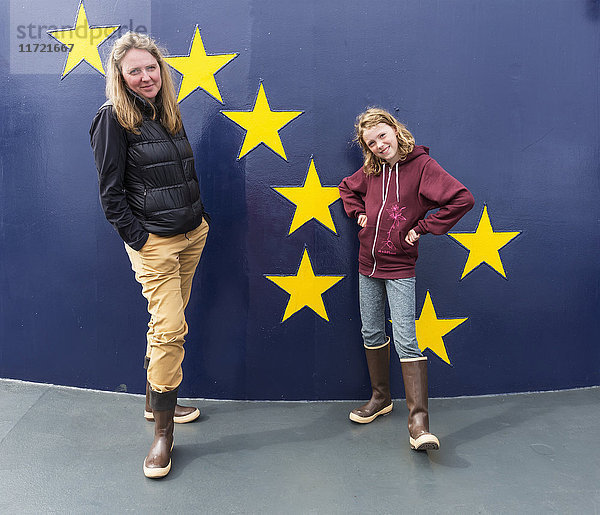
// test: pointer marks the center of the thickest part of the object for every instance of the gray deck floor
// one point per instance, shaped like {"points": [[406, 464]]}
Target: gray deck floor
{"points": [[65, 450]]}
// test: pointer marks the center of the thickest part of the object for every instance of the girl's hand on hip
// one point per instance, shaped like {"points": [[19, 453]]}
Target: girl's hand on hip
{"points": [[412, 237], [362, 220]]}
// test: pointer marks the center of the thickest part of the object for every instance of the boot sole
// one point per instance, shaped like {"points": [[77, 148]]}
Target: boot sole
{"points": [[367, 420], [149, 416], [425, 443], [158, 472]]}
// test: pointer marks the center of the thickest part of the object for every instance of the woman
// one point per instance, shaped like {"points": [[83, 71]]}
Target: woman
{"points": [[150, 193]]}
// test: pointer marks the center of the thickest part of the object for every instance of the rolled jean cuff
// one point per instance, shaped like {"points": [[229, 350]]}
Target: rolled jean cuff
{"points": [[378, 346], [163, 401], [146, 362]]}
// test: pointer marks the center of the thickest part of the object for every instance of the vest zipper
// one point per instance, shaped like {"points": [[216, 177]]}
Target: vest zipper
{"points": [[185, 182]]}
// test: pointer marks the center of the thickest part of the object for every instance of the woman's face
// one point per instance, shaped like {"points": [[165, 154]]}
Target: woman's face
{"points": [[381, 140], [141, 73]]}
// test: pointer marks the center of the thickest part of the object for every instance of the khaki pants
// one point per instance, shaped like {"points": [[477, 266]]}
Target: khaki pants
{"points": [[165, 267]]}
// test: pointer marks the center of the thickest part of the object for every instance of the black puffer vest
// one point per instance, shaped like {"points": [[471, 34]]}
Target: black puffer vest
{"points": [[160, 180], [148, 181]]}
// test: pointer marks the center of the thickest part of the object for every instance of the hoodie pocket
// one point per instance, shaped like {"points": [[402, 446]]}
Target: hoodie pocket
{"points": [[412, 251], [365, 240]]}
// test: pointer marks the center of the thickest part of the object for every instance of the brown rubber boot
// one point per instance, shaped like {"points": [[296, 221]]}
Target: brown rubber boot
{"points": [[183, 414], [158, 462], [378, 361], [414, 372]]}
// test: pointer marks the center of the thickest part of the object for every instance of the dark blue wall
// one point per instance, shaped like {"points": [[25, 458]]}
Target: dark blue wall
{"points": [[506, 94]]}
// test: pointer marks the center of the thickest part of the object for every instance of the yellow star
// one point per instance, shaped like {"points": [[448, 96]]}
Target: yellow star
{"points": [[305, 288], [198, 68], [312, 200], [483, 245], [262, 125], [83, 42], [430, 329]]}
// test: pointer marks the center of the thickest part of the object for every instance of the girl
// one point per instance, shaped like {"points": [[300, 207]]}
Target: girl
{"points": [[390, 196], [150, 194]]}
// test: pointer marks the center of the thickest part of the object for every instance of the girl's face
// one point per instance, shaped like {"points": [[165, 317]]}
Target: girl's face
{"points": [[381, 140], [141, 73]]}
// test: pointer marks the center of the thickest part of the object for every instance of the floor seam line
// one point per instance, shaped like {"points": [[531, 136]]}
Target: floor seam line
{"points": [[46, 390]]}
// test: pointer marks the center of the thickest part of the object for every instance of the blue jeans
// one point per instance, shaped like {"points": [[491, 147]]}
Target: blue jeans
{"points": [[400, 295]]}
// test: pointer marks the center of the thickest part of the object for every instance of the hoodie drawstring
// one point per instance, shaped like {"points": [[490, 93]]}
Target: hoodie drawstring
{"points": [[397, 190], [385, 189]]}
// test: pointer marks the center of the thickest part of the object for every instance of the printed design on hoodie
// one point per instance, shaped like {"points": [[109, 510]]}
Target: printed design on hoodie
{"points": [[395, 213]]}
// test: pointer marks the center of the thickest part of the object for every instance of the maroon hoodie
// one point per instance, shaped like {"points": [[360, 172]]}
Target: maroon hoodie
{"points": [[396, 201]]}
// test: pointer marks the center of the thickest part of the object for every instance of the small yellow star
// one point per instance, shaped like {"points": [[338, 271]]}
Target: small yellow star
{"points": [[430, 329], [483, 245], [312, 200], [262, 125], [83, 42], [305, 288], [198, 68]]}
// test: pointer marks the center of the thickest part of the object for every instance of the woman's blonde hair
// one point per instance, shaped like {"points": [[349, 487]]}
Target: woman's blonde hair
{"points": [[370, 118], [127, 111]]}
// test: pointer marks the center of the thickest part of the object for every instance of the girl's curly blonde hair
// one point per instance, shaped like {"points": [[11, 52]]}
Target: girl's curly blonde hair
{"points": [[127, 111], [373, 116]]}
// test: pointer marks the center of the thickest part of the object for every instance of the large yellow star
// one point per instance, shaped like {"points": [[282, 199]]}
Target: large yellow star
{"points": [[312, 200], [198, 68], [262, 125], [483, 245], [83, 42], [305, 288], [430, 329]]}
